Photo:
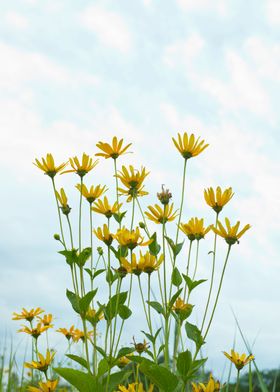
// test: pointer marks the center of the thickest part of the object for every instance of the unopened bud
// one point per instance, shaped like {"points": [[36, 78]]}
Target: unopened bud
{"points": [[142, 225], [100, 251], [56, 237], [164, 196]]}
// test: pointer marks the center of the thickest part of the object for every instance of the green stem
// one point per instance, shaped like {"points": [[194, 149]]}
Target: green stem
{"points": [[149, 316], [132, 214], [237, 381], [182, 200], [91, 246], [117, 186], [80, 217], [187, 270], [59, 214], [143, 216]]}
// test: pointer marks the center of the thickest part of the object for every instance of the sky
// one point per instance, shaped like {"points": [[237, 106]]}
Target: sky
{"points": [[74, 73]]}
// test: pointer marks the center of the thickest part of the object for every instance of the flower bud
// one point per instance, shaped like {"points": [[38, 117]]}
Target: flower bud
{"points": [[56, 237], [164, 196]]}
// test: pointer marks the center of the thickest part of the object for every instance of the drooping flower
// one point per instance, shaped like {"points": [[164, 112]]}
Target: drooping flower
{"points": [[48, 166], [103, 207], [63, 201], [36, 331], [189, 146], [43, 362], [159, 215], [104, 235], [46, 319], [230, 233], [86, 165], [132, 267], [130, 238], [93, 193], [132, 179], [239, 360], [27, 315], [68, 333], [112, 151], [195, 229], [217, 200], [48, 386]]}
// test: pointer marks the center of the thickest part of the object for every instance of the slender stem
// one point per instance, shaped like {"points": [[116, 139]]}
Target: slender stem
{"points": [[237, 381], [59, 214], [212, 274], [143, 302], [132, 214], [80, 217], [187, 270], [196, 260], [149, 316], [94, 351], [143, 216], [182, 200], [91, 246], [86, 344], [117, 186]]}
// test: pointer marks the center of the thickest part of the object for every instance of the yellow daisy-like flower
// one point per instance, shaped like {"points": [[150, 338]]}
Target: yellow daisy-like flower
{"points": [[103, 207], [217, 200], [27, 314], [35, 332], [68, 333], [239, 360], [135, 387], [80, 335], [123, 361], [211, 386], [112, 151], [132, 179], [46, 319], [195, 229], [159, 215], [149, 262], [230, 233], [93, 316], [82, 168], [130, 238], [48, 386], [180, 307], [189, 146], [93, 193], [48, 166], [43, 362], [63, 201], [104, 235]]}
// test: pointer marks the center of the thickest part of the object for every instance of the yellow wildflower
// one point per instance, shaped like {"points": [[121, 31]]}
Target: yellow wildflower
{"points": [[27, 314], [63, 201], [35, 332], [159, 215], [217, 200], [67, 333], [211, 386], [130, 238], [77, 335], [43, 363], [189, 146], [230, 233], [194, 229], [104, 235], [123, 361], [239, 360], [81, 168], [48, 165], [93, 316], [103, 207], [133, 180], [112, 151], [48, 386], [182, 308], [149, 262], [93, 193], [135, 387], [46, 320]]}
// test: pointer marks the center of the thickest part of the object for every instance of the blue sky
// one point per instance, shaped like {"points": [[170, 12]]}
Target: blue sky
{"points": [[74, 73]]}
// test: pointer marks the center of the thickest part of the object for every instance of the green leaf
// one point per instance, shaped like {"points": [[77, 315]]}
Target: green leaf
{"points": [[154, 247], [111, 309], [74, 300], [184, 362], [70, 255], [159, 375], [84, 382], [116, 379], [157, 306], [86, 300], [176, 249], [196, 365], [84, 256], [103, 367], [192, 283], [125, 351], [124, 312], [119, 217], [174, 297], [98, 272], [149, 336], [194, 334], [78, 359], [176, 277]]}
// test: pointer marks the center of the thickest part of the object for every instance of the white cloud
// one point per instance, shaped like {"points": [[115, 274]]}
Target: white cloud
{"points": [[109, 26], [219, 6], [16, 20], [273, 11]]}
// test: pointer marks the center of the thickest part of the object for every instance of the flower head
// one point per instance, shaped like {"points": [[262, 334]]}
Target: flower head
{"points": [[80, 335], [130, 238], [123, 361], [164, 196], [63, 201], [82, 168], [94, 316], [48, 165], [194, 229], [93, 193], [43, 363], [27, 315], [159, 215], [133, 180], [211, 386], [230, 233], [112, 151], [68, 333], [46, 320], [103, 207], [189, 146], [48, 386], [140, 347], [35, 332], [149, 262], [135, 387], [104, 235], [217, 200], [239, 360], [182, 309]]}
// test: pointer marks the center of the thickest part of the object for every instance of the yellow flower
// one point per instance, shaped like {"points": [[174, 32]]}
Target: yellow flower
{"points": [[81, 168], [48, 165], [77, 335], [67, 333], [46, 320], [123, 361], [63, 201], [239, 360], [150, 262], [135, 387], [27, 314], [211, 386], [130, 238], [182, 308], [103, 207], [112, 151], [48, 386], [43, 362], [219, 199], [189, 146], [93, 316], [230, 233], [194, 229], [93, 193], [133, 180], [104, 236], [35, 332], [159, 215]]}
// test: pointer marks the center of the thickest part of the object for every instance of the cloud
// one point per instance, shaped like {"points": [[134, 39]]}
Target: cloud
{"points": [[218, 6], [109, 27], [16, 20], [272, 8]]}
